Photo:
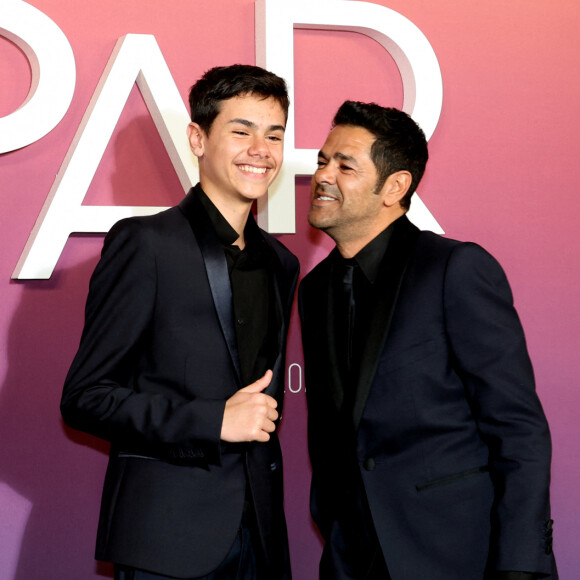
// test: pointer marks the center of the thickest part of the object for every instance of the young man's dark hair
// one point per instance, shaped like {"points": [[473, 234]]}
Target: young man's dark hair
{"points": [[225, 82], [400, 143]]}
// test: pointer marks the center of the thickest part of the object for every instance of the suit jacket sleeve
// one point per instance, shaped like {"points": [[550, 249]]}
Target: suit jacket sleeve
{"points": [[488, 343], [102, 394]]}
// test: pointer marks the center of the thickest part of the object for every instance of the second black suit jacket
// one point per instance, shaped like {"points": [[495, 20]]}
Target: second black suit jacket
{"points": [[446, 431], [157, 361]]}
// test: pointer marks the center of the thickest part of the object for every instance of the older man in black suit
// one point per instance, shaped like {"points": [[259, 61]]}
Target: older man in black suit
{"points": [[185, 308], [430, 450]]}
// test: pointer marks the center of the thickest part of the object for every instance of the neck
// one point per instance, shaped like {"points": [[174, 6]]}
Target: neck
{"points": [[350, 245]]}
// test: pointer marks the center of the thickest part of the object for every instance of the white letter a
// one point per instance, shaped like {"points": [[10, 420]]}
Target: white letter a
{"points": [[136, 58]]}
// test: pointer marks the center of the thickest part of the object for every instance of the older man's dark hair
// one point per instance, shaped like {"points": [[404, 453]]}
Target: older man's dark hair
{"points": [[400, 143]]}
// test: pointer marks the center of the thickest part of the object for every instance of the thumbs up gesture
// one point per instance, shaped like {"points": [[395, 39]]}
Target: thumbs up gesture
{"points": [[250, 414]]}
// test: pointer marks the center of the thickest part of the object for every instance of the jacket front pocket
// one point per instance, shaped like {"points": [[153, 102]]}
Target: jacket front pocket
{"points": [[452, 478]]}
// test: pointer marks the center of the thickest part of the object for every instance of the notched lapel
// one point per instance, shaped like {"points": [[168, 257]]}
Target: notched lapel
{"points": [[390, 277], [217, 271], [279, 285]]}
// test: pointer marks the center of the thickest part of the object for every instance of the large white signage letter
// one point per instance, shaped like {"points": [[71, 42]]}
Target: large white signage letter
{"points": [[420, 72], [137, 58], [53, 70]]}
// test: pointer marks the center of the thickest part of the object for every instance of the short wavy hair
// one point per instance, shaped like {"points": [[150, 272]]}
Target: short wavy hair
{"points": [[225, 82], [400, 143]]}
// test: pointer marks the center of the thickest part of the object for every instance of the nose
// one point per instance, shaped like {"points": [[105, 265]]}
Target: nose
{"points": [[259, 147], [325, 174]]}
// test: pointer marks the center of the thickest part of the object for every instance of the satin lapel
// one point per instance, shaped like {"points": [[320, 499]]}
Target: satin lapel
{"points": [[388, 284], [217, 272], [270, 389], [282, 310]]}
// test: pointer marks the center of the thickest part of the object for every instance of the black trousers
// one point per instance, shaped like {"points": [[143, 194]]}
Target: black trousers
{"points": [[373, 567], [239, 564], [352, 551]]}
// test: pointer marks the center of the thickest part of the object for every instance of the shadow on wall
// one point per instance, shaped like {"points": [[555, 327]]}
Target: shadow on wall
{"points": [[51, 476], [57, 470]]}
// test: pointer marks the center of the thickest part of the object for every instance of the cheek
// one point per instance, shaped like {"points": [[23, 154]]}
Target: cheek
{"points": [[278, 155]]}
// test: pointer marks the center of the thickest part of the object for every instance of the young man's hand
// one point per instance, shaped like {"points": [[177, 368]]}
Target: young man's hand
{"points": [[250, 414]]}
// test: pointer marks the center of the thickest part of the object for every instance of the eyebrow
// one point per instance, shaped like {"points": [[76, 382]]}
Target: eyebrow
{"points": [[340, 156], [252, 125]]}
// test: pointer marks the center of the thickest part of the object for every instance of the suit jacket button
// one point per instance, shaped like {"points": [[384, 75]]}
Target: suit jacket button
{"points": [[369, 464]]}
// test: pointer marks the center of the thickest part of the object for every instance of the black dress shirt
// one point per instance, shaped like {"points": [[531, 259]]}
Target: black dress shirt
{"points": [[366, 296], [250, 273], [362, 552]]}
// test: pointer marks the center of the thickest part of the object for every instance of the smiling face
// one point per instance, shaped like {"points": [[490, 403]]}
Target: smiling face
{"points": [[242, 154], [347, 202], [343, 199]]}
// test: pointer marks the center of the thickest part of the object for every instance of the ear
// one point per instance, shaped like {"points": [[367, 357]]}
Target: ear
{"points": [[196, 137], [395, 188]]}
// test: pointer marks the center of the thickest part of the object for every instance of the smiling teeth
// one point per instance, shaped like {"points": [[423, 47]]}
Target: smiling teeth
{"points": [[252, 169], [325, 198]]}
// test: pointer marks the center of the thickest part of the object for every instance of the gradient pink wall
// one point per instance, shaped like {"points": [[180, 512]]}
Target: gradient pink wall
{"points": [[504, 171]]}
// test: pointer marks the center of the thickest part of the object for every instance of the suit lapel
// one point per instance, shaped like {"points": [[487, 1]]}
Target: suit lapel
{"points": [[388, 284], [280, 288], [217, 271]]}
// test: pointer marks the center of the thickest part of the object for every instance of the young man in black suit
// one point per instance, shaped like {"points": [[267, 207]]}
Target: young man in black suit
{"points": [[430, 450], [181, 361]]}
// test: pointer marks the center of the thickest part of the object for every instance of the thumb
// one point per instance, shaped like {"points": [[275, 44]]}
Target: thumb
{"points": [[259, 385]]}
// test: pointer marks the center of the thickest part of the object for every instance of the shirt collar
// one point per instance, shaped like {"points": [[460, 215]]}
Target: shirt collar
{"points": [[370, 257], [225, 232]]}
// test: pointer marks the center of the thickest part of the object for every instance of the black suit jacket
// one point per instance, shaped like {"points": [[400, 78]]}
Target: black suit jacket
{"points": [[446, 429], [157, 362]]}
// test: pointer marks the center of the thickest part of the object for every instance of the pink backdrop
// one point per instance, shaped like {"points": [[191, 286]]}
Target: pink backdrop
{"points": [[504, 172]]}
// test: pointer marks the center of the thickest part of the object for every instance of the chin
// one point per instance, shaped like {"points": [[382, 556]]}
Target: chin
{"points": [[256, 194], [316, 223]]}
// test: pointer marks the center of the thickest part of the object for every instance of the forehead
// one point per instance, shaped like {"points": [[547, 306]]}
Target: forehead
{"points": [[254, 108], [349, 140]]}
